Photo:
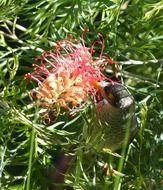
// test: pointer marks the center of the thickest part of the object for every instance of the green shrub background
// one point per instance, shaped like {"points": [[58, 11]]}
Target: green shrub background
{"points": [[133, 31]]}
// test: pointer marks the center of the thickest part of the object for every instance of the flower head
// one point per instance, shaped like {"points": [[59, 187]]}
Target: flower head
{"points": [[67, 75]]}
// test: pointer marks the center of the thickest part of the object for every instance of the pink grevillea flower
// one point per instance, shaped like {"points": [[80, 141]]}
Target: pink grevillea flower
{"points": [[67, 75]]}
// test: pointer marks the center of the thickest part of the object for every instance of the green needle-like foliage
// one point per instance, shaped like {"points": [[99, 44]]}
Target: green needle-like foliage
{"points": [[133, 32]]}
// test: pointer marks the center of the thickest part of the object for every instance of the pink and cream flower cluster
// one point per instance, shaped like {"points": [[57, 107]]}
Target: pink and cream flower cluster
{"points": [[67, 75]]}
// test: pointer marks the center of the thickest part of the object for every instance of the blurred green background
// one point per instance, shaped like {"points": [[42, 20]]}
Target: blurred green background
{"points": [[133, 32]]}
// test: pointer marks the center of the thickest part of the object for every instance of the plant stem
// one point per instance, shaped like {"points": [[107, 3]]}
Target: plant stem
{"points": [[30, 159]]}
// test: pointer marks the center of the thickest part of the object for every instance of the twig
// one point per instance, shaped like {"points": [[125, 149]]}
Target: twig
{"points": [[135, 62], [23, 29]]}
